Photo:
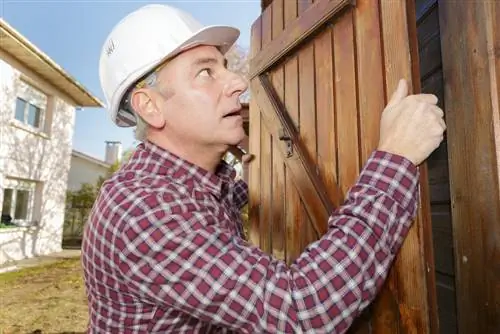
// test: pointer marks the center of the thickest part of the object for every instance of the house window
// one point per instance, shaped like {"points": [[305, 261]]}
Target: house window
{"points": [[30, 106], [17, 206], [28, 113]]}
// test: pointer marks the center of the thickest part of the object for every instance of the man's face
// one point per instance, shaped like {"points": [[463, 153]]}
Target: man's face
{"points": [[200, 99]]}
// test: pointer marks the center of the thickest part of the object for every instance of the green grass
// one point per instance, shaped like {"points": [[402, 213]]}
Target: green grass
{"points": [[45, 299], [3, 225]]}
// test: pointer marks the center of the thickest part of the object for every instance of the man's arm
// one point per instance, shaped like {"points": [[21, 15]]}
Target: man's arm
{"points": [[191, 264]]}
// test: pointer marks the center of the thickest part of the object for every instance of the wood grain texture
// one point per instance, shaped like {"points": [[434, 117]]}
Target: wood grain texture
{"points": [[295, 222], [335, 73], [278, 236], [298, 167], [296, 32], [370, 74], [307, 101], [471, 71], [325, 112], [404, 303], [430, 63], [346, 102], [369, 71], [266, 153], [254, 147], [266, 203]]}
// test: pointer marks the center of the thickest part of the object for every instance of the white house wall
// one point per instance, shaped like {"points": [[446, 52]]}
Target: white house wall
{"points": [[27, 155], [84, 171]]}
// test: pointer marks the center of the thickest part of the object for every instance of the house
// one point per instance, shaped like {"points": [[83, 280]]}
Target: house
{"points": [[88, 169], [85, 169], [38, 101]]}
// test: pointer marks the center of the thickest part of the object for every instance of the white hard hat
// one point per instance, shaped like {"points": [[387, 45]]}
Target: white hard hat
{"points": [[144, 39]]}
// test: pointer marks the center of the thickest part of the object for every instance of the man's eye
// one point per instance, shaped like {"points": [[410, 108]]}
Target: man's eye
{"points": [[206, 72]]}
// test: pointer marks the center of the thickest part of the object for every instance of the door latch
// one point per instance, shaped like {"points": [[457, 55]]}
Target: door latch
{"points": [[288, 141]]}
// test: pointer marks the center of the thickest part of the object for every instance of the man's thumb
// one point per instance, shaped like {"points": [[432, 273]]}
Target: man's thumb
{"points": [[399, 94]]}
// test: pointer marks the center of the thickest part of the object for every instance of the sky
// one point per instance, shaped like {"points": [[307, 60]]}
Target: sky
{"points": [[71, 32]]}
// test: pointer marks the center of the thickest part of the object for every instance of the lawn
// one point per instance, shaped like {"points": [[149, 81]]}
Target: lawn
{"points": [[45, 299]]}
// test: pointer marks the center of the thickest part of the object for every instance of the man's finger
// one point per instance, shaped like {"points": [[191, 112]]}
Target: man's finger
{"points": [[438, 111], [442, 123], [428, 98], [399, 94], [246, 158]]}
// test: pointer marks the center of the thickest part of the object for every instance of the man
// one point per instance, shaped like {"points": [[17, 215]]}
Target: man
{"points": [[163, 250]]}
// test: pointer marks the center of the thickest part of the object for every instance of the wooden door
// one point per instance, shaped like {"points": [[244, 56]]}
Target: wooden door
{"points": [[321, 73]]}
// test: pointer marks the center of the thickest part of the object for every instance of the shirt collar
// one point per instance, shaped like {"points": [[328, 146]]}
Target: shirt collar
{"points": [[158, 160]]}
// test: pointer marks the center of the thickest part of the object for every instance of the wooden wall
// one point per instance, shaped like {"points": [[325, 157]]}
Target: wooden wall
{"points": [[460, 63], [431, 76], [470, 39], [454, 248], [333, 85]]}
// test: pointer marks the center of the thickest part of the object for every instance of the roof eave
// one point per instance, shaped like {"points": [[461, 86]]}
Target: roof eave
{"points": [[38, 62]]}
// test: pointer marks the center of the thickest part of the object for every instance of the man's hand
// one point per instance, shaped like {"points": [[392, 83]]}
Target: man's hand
{"points": [[411, 125], [245, 161], [247, 158]]}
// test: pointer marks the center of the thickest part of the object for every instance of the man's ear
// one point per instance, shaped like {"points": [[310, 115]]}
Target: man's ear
{"points": [[143, 103]]}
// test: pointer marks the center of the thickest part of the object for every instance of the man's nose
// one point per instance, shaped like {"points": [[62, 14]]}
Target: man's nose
{"points": [[236, 85]]}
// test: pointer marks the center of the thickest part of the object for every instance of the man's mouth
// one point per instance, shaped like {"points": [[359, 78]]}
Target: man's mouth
{"points": [[233, 113]]}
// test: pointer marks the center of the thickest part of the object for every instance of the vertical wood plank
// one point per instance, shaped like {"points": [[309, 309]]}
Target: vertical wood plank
{"points": [[293, 218], [266, 155], [325, 110], [424, 220], [370, 75], [345, 106], [307, 125], [387, 316], [493, 41], [267, 32], [307, 103], [290, 11], [266, 188], [278, 167], [369, 67], [471, 60], [405, 300], [294, 221], [303, 5], [292, 89], [307, 233], [277, 17], [254, 147], [278, 200]]}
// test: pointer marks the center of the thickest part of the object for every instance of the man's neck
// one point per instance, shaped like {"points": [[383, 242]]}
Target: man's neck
{"points": [[207, 158]]}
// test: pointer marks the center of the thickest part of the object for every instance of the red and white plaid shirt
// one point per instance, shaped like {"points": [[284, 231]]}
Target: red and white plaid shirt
{"points": [[163, 252]]}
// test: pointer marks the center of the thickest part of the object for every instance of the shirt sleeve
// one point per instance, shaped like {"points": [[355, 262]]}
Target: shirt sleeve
{"points": [[191, 264], [240, 193]]}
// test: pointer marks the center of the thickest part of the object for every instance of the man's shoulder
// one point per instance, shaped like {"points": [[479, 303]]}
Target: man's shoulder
{"points": [[133, 194]]}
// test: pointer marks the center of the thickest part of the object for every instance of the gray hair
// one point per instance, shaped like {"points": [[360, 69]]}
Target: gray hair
{"points": [[141, 128]]}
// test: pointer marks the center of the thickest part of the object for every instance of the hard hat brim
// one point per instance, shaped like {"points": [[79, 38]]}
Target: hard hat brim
{"points": [[222, 37]]}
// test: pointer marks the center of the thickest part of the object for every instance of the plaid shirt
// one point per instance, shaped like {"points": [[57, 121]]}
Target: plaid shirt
{"points": [[163, 252]]}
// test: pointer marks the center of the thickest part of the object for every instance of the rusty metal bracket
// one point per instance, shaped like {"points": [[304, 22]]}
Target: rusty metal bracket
{"points": [[288, 141], [289, 133]]}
